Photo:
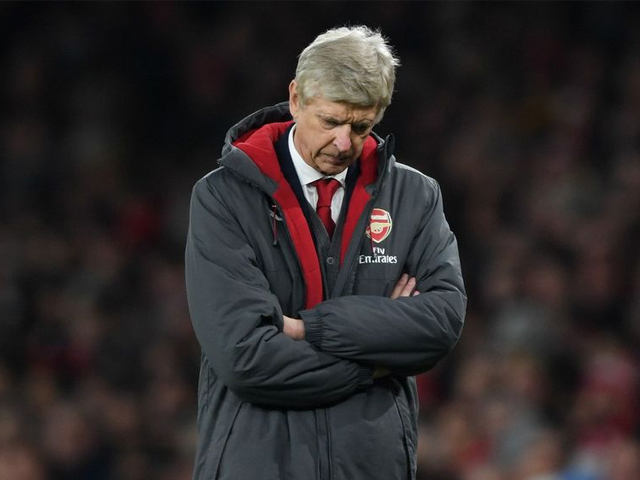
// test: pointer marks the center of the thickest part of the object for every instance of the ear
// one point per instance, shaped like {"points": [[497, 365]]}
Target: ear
{"points": [[294, 99]]}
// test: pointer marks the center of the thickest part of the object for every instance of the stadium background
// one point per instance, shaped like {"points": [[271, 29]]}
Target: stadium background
{"points": [[527, 113]]}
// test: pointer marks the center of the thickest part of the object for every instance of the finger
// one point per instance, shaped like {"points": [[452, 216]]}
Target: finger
{"points": [[402, 282], [409, 287], [416, 293]]}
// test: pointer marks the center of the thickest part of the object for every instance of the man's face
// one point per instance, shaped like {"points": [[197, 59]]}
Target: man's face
{"points": [[329, 135]]}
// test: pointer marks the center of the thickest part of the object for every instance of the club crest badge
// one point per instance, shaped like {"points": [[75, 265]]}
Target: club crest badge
{"points": [[379, 226]]}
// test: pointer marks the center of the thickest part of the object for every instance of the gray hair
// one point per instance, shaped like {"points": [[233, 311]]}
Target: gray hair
{"points": [[355, 65]]}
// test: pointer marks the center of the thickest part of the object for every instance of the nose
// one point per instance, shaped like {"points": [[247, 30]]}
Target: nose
{"points": [[342, 140]]}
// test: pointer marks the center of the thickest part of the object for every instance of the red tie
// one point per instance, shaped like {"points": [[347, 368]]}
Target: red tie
{"points": [[326, 187]]}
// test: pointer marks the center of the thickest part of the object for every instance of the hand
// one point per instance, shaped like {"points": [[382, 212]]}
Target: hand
{"points": [[405, 287], [293, 327]]}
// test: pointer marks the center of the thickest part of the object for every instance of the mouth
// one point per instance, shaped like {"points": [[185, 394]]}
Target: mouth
{"points": [[337, 159]]}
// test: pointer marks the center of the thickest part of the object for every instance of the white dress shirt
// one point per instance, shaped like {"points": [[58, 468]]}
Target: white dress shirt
{"points": [[307, 175]]}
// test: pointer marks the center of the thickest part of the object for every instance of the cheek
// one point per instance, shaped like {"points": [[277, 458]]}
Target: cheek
{"points": [[308, 142], [358, 144], [321, 141]]}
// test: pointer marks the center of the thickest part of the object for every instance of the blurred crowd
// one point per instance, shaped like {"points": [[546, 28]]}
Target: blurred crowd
{"points": [[528, 114]]}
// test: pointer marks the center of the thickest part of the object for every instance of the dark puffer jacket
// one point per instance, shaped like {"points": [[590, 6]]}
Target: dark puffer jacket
{"points": [[271, 408]]}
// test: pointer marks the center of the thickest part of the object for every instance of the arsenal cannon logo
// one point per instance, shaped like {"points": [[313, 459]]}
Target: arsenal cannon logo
{"points": [[379, 226]]}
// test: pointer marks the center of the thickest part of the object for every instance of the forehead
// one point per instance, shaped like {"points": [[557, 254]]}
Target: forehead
{"points": [[342, 111]]}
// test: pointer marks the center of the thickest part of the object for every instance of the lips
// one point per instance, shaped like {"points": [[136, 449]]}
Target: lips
{"points": [[337, 159]]}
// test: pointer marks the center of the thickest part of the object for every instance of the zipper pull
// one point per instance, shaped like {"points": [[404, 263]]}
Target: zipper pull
{"points": [[274, 226]]}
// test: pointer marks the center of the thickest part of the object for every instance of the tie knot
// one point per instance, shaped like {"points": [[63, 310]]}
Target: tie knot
{"points": [[326, 187]]}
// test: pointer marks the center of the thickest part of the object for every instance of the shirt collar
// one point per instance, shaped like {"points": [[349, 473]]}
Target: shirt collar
{"points": [[306, 173]]}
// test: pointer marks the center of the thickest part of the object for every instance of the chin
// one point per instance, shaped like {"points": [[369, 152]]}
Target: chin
{"points": [[333, 169]]}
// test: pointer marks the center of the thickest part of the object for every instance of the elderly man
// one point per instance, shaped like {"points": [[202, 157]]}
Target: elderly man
{"points": [[321, 276]]}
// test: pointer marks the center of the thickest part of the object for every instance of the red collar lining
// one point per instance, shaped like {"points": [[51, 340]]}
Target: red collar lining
{"points": [[258, 145]]}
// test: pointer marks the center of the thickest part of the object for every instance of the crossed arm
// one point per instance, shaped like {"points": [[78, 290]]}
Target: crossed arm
{"points": [[250, 344], [294, 327]]}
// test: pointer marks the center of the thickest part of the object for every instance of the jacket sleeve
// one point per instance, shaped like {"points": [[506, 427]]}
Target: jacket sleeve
{"points": [[234, 316], [408, 335]]}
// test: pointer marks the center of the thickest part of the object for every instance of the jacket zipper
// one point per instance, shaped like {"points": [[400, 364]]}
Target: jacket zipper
{"points": [[327, 416], [322, 414]]}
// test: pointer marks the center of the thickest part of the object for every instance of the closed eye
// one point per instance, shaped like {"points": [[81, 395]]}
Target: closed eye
{"points": [[330, 123], [360, 128]]}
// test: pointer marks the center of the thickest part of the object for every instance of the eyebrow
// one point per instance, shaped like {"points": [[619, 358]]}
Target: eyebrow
{"points": [[328, 117]]}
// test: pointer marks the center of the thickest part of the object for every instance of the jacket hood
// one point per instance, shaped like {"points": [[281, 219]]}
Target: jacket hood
{"points": [[278, 114]]}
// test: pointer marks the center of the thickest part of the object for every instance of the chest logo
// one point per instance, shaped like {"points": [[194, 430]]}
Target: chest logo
{"points": [[379, 226]]}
